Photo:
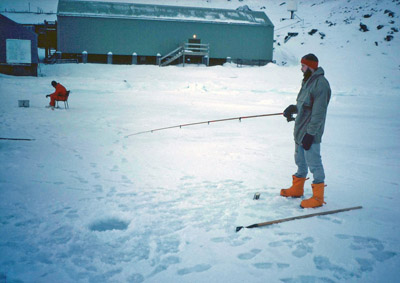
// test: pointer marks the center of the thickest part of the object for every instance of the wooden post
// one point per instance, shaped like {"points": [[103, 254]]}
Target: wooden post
{"points": [[84, 57], [134, 58], [109, 57], [158, 59]]}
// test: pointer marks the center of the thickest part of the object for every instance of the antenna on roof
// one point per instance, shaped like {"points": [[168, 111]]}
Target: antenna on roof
{"points": [[292, 7]]}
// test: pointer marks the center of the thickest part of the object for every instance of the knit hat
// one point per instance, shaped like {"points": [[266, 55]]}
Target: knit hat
{"points": [[310, 60]]}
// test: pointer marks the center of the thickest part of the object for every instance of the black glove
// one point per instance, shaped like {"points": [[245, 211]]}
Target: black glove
{"points": [[47, 95], [289, 111], [307, 141]]}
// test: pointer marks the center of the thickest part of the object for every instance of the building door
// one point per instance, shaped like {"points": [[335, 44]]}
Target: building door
{"points": [[193, 45], [194, 40]]}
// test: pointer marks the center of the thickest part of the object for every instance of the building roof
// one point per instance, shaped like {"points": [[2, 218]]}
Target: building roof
{"points": [[30, 18], [11, 30], [82, 8]]}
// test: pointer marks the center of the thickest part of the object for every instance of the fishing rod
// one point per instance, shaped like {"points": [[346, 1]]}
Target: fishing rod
{"points": [[16, 139], [205, 122], [297, 217]]}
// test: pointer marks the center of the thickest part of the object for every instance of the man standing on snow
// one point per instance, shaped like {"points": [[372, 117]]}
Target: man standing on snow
{"points": [[311, 108], [60, 94]]}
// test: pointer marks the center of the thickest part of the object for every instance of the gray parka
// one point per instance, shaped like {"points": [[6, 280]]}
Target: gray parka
{"points": [[312, 105]]}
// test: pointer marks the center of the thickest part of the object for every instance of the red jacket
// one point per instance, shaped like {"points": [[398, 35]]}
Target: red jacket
{"points": [[60, 93]]}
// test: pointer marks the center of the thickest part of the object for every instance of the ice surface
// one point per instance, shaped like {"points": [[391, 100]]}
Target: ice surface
{"points": [[82, 203]]}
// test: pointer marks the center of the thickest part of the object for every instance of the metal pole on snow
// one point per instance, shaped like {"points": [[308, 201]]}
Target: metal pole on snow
{"points": [[16, 139], [297, 217], [205, 122]]}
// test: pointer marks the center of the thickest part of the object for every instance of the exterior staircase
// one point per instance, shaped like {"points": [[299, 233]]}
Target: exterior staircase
{"points": [[186, 49]]}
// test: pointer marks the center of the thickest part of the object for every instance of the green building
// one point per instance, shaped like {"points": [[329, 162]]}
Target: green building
{"points": [[160, 34]]}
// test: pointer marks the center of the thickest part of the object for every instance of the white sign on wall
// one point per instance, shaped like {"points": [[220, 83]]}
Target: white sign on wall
{"points": [[18, 51]]}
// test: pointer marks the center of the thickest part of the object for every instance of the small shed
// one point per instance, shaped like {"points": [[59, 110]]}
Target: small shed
{"points": [[18, 49], [122, 29]]}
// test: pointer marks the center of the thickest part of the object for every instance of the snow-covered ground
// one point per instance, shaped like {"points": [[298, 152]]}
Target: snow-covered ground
{"points": [[84, 203]]}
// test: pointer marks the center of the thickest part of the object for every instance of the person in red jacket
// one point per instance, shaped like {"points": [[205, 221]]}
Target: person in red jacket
{"points": [[59, 94]]}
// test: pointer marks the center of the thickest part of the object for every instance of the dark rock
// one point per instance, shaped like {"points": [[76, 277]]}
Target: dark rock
{"points": [[330, 23], [390, 13], [244, 8], [290, 35], [311, 32], [363, 27], [389, 37]]}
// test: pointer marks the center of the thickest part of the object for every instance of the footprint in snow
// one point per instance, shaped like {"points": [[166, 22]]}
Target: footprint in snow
{"points": [[136, 278], [365, 264], [72, 214], [96, 175], [282, 265], [111, 192], [168, 245], [98, 188], [28, 223], [80, 179], [165, 264], [375, 247], [262, 265], [219, 240], [301, 247], [250, 255], [61, 235], [196, 268], [307, 278], [126, 180], [108, 224], [79, 156], [323, 263]]}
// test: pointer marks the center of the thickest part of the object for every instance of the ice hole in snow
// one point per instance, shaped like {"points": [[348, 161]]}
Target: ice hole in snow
{"points": [[108, 224]]}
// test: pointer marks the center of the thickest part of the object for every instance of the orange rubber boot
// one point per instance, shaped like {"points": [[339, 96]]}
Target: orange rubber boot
{"points": [[296, 190], [317, 199]]}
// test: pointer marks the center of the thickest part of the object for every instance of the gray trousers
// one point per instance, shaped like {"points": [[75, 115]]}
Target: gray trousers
{"points": [[309, 159]]}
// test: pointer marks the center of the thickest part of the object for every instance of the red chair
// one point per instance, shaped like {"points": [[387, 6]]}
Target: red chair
{"points": [[63, 99]]}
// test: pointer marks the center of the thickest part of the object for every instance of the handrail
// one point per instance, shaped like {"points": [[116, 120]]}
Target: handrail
{"points": [[198, 44], [188, 49], [172, 52], [196, 47]]}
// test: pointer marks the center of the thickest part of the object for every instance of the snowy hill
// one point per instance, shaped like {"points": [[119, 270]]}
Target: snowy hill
{"points": [[83, 203]]}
